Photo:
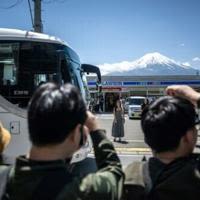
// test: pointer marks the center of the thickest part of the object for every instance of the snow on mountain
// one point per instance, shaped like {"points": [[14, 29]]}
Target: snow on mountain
{"points": [[149, 64]]}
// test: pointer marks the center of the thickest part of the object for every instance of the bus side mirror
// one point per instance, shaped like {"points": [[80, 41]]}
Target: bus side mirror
{"points": [[87, 68]]}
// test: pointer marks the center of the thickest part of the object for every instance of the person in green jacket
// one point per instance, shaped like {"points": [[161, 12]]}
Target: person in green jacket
{"points": [[58, 123]]}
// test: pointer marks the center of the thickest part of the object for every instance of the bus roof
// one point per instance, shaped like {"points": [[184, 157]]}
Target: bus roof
{"points": [[16, 34]]}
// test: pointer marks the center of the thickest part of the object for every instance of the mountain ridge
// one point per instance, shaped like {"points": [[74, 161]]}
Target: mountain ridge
{"points": [[151, 64]]}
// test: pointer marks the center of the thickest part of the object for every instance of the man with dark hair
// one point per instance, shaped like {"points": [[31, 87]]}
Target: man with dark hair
{"points": [[164, 123], [170, 129], [58, 123]]}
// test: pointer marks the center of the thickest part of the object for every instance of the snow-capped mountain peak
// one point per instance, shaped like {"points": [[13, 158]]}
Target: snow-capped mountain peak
{"points": [[150, 64], [154, 58]]}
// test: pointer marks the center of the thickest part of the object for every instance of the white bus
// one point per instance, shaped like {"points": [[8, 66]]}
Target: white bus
{"points": [[28, 59]]}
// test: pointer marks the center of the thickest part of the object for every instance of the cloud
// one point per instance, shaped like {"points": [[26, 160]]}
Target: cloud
{"points": [[182, 44], [196, 59], [122, 66]]}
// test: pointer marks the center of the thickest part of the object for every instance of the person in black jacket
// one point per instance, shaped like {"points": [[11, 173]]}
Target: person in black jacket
{"points": [[170, 126]]}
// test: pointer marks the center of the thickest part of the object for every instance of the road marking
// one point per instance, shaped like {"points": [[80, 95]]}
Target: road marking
{"points": [[126, 155], [136, 151], [106, 116], [133, 150], [139, 141]]}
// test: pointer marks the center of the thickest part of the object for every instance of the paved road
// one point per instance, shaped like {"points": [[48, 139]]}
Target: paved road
{"points": [[133, 133], [132, 128], [133, 142]]}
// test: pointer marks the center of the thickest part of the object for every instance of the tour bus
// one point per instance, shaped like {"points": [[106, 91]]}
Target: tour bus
{"points": [[27, 60]]}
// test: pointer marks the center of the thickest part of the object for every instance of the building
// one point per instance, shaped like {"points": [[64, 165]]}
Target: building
{"points": [[114, 87]]}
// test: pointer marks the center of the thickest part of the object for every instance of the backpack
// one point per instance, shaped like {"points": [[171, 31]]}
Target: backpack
{"points": [[134, 185], [178, 180]]}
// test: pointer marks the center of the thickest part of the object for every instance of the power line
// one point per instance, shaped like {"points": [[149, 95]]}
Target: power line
{"points": [[29, 5], [13, 5], [61, 1], [51, 1], [47, 2]]}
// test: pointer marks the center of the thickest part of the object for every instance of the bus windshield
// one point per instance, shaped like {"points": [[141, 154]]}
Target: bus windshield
{"points": [[25, 65]]}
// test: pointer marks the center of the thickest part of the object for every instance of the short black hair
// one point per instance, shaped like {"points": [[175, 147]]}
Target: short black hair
{"points": [[165, 121], [53, 112]]}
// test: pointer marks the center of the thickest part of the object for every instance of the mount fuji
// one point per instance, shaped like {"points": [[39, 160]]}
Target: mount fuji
{"points": [[149, 64]]}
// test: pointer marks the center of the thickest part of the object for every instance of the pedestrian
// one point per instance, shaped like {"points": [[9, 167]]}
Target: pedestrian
{"points": [[4, 141], [170, 127], [145, 103], [101, 102], [118, 122], [97, 105], [58, 124]]}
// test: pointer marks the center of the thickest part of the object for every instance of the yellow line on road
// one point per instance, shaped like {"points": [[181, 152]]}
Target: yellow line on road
{"points": [[133, 150]]}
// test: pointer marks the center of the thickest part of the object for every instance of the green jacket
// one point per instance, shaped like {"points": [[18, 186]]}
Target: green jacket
{"points": [[36, 179]]}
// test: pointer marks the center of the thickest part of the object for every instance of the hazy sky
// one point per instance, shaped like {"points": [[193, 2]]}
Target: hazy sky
{"points": [[112, 31]]}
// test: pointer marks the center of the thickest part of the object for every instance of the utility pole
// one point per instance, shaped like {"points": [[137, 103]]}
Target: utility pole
{"points": [[37, 16]]}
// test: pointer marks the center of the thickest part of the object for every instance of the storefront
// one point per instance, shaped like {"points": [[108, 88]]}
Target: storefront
{"points": [[114, 87]]}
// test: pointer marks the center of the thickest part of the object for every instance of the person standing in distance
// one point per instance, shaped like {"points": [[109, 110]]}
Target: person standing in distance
{"points": [[118, 122]]}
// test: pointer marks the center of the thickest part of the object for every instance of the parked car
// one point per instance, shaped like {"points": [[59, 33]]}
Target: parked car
{"points": [[126, 103], [134, 106]]}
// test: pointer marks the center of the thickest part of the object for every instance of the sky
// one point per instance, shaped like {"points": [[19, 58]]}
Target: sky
{"points": [[114, 31]]}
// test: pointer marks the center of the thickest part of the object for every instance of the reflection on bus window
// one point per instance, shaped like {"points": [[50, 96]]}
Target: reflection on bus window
{"points": [[77, 78], [8, 63], [39, 79], [88, 97]]}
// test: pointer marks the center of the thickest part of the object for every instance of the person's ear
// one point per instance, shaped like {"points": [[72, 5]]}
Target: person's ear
{"points": [[75, 134], [84, 134], [188, 137]]}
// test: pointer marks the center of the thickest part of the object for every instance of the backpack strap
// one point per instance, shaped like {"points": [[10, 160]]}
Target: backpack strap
{"points": [[4, 177], [146, 177]]}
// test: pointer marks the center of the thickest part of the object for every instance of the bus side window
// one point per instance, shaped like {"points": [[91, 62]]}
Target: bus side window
{"points": [[65, 72], [1, 73]]}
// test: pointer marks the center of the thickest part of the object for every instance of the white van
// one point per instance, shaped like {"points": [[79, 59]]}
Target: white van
{"points": [[134, 107]]}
